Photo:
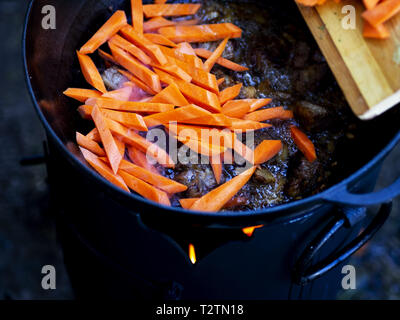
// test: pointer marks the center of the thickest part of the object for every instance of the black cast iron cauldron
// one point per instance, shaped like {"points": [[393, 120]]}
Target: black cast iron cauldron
{"points": [[121, 245]]}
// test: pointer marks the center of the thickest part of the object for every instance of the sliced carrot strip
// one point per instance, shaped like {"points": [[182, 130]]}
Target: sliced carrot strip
{"points": [[378, 32], [94, 135], [160, 1], [221, 61], [216, 166], [128, 119], [217, 198], [170, 10], [202, 147], [131, 48], [190, 22], [122, 94], [144, 189], [156, 23], [140, 159], [177, 53], [137, 82], [269, 114], [256, 104], [179, 114], [89, 144], [91, 73], [303, 143], [112, 151], [243, 125], [201, 33], [137, 141], [107, 57], [209, 64], [379, 14], [137, 15], [159, 39], [198, 95], [132, 106], [236, 108], [187, 203], [189, 54], [103, 169], [216, 119], [110, 28], [156, 180], [121, 147], [171, 94], [82, 94], [266, 150], [147, 46], [230, 93], [174, 70]]}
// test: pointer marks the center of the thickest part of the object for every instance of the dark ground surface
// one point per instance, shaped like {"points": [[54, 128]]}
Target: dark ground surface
{"points": [[27, 233]]}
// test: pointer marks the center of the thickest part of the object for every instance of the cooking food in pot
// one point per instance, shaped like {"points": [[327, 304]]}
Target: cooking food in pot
{"points": [[211, 106]]}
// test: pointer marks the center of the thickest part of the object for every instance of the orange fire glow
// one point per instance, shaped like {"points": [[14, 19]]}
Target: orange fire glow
{"points": [[192, 253], [250, 230]]}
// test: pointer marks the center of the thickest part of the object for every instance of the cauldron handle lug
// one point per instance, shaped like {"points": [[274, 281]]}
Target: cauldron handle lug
{"points": [[304, 272]]}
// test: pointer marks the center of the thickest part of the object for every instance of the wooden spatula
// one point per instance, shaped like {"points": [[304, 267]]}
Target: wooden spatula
{"points": [[367, 70]]}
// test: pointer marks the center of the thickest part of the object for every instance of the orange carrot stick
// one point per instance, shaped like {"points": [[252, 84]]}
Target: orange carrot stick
{"points": [[131, 48], [201, 33], [121, 147], [133, 106], [156, 23], [131, 120], [147, 46], [140, 159], [170, 10], [269, 114], [136, 68], [137, 15], [103, 169], [94, 135], [91, 73], [81, 94], [243, 125], [216, 166], [173, 70], [190, 22], [380, 13], [137, 82], [215, 119], [112, 151], [180, 54], [189, 54], [217, 198], [266, 150], [156, 180], [187, 203], [171, 94], [202, 147], [230, 93], [378, 32], [221, 61], [89, 144], [144, 189], [160, 1], [210, 62], [198, 95], [159, 39], [256, 104], [303, 143], [110, 28], [236, 108]]}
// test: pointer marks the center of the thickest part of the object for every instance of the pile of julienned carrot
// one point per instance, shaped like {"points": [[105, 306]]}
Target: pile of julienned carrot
{"points": [[376, 14], [169, 82]]}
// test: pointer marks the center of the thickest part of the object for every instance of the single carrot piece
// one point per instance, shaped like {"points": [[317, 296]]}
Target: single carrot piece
{"points": [[198, 95], [160, 1], [81, 94], [187, 203], [269, 114], [103, 169], [130, 48], [147, 46], [167, 185], [170, 10], [159, 39], [140, 159], [256, 104], [230, 93], [137, 15], [133, 106], [378, 32], [245, 125], [107, 57], [201, 33], [172, 95], [216, 166], [204, 53], [122, 94], [121, 147], [202, 147], [137, 141], [136, 68], [189, 54], [190, 22], [236, 108], [89, 144], [380, 13], [109, 29], [179, 114], [178, 53], [212, 119], [210, 62], [369, 4], [128, 119], [217, 198], [156, 23], [243, 150], [91, 73], [137, 82], [112, 151], [173, 70], [144, 189], [94, 135], [266, 150], [220, 81], [303, 143]]}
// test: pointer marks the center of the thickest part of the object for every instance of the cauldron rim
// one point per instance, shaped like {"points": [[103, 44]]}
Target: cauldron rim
{"points": [[281, 212]]}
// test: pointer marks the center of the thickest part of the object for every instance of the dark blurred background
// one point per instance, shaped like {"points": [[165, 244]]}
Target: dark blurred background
{"points": [[27, 232]]}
